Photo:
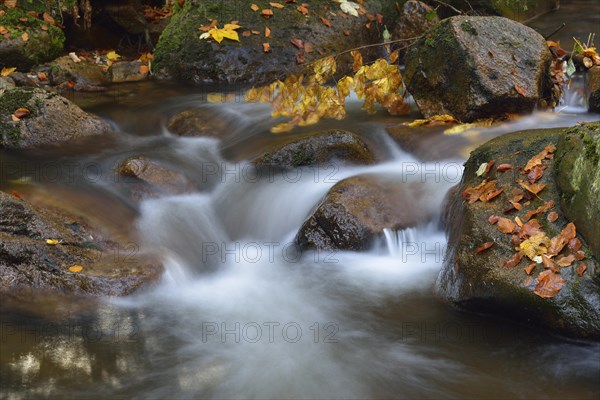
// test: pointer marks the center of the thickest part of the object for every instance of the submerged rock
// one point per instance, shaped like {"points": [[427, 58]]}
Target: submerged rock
{"points": [[483, 281], [317, 149], [49, 119], [197, 122], [356, 210], [478, 67], [110, 266], [181, 55]]}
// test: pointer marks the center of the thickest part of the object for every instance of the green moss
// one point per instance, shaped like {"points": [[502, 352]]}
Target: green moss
{"points": [[468, 27], [13, 99]]}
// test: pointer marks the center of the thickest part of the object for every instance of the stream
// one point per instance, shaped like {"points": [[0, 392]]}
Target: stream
{"points": [[240, 312]]}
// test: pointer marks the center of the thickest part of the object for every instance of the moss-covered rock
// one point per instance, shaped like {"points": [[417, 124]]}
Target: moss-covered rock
{"points": [[317, 149], [52, 119], [478, 67], [578, 178], [479, 281], [43, 42], [180, 54]]}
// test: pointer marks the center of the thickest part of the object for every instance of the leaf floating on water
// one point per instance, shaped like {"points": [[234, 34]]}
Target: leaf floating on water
{"points": [[549, 284], [76, 268], [52, 242], [484, 247]]}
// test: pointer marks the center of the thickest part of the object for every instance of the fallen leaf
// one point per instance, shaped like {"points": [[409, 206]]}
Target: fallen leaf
{"points": [[308, 47], [531, 228], [52, 242], [552, 216], [246, 33], [536, 245], [266, 47], [535, 173], [349, 7], [255, 32], [3, 30], [276, 5], [144, 70], [513, 261], [267, 13], [7, 71], [25, 36], [300, 58], [541, 209], [303, 10], [394, 56], [565, 261], [520, 90], [549, 284], [76, 268], [267, 32], [548, 263], [15, 194], [504, 167], [579, 255], [14, 118], [484, 247], [493, 219], [581, 269], [505, 225], [534, 188], [298, 43], [481, 170], [326, 22], [537, 159], [528, 269], [574, 245], [48, 19], [112, 55], [21, 112], [254, 7], [44, 27]]}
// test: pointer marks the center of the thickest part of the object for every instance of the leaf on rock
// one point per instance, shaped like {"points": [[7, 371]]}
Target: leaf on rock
{"points": [[276, 5], [298, 43], [76, 268], [565, 261], [266, 47], [537, 159], [7, 71], [303, 10], [530, 268], [536, 245], [267, 13], [581, 269], [483, 192], [506, 225], [326, 22], [534, 188], [520, 90], [52, 242], [535, 173], [552, 216], [513, 261], [254, 7], [484, 247], [493, 219], [349, 7], [549, 284], [531, 228]]}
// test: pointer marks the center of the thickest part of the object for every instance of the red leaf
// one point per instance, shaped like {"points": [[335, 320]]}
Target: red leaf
{"points": [[520, 90], [504, 167], [549, 284], [529, 268], [552, 216], [513, 261], [581, 269], [484, 247], [326, 22], [298, 43]]}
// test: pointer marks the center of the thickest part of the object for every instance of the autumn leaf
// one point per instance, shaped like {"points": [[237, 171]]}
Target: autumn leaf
{"points": [[25, 36], [254, 7], [581, 269], [303, 10], [21, 112], [530, 268], [520, 90], [76, 268], [493, 219], [48, 19], [276, 5], [483, 192], [218, 34], [505, 225], [326, 22], [52, 242], [7, 71], [552, 216], [349, 7], [144, 70], [484, 247], [537, 159], [513, 261], [267, 13], [112, 55], [324, 69], [535, 173], [541, 209], [266, 47], [549, 284], [535, 245], [574, 245], [565, 261], [504, 167], [298, 43], [531, 228]]}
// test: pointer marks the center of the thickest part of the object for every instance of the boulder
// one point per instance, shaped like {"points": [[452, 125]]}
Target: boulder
{"points": [[51, 119], [30, 40], [197, 122], [317, 149], [355, 211], [482, 280], [181, 55], [415, 19], [478, 67], [592, 89], [128, 71], [27, 261], [578, 178], [147, 178], [518, 10], [85, 76]]}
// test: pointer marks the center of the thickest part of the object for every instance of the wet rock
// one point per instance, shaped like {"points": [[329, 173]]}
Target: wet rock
{"points": [[182, 56], [197, 122], [151, 179], [51, 119], [478, 67], [40, 45], [128, 71], [578, 179], [317, 149], [415, 19], [516, 10], [479, 282], [85, 76], [356, 210], [592, 89], [28, 263]]}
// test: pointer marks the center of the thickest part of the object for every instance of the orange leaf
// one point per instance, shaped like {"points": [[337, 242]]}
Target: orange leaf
{"points": [[520, 90], [76, 268], [552, 216], [42, 76], [246, 33], [144, 70], [266, 47], [277, 5], [267, 13], [267, 32], [565, 261], [48, 19], [505, 225], [25, 36], [484, 247], [504, 167], [326, 22], [21, 112], [302, 9], [529, 268], [534, 188], [493, 219], [549, 284], [574, 245], [535, 173], [513, 261], [581, 269], [254, 7]]}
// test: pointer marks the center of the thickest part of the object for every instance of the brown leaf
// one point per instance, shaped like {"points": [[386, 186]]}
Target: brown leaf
{"points": [[581, 269], [144, 70], [541, 209], [267, 32], [579, 255], [489, 166], [480, 192], [537, 159], [513, 261], [303, 10], [246, 33], [308, 47], [529, 268], [565, 261], [490, 195], [549, 284], [569, 232], [504, 167], [531, 228], [267, 13], [552, 216], [534, 188], [484, 247], [276, 5], [254, 7], [505, 225], [300, 58], [298, 43], [326, 22], [535, 173], [549, 263], [493, 219], [520, 90], [516, 205], [21, 112], [25, 36], [266, 47], [48, 19]]}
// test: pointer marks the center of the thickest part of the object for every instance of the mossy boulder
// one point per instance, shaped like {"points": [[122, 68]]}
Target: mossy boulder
{"points": [[578, 178], [317, 148], [181, 55], [42, 42], [356, 210], [480, 281], [85, 76], [29, 264], [478, 67], [52, 119]]}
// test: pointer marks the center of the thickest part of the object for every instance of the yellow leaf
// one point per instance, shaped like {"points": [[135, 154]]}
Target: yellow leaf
{"points": [[7, 71], [76, 268], [285, 127], [443, 118], [536, 245], [418, 122], [254, 7], [345, 85], [324, 69], [112, 55], [52, 242], [25, 36]]}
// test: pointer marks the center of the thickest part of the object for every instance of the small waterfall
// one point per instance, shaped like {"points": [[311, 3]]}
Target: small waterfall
{"points": [[397, 240]]}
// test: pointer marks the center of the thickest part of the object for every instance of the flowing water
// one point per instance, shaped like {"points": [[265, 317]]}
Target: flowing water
{"points": [[240, 312]]}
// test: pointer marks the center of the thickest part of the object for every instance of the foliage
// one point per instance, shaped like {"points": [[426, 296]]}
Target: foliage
{"points": [[308, 99]]}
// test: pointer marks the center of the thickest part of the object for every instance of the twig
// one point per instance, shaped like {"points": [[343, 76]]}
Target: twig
{"points": [[555, 31], [456, 10]]}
